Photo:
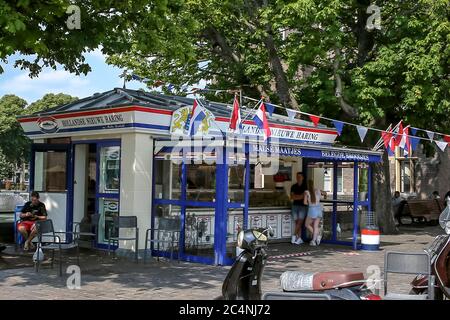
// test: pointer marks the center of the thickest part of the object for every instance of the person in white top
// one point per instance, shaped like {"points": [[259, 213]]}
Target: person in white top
{"points": [[315, 211]]}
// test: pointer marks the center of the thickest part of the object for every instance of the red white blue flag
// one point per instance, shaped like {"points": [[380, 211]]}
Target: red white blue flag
{"points": [[404, 141], [235, 120], [260, 120], [195, 119]]}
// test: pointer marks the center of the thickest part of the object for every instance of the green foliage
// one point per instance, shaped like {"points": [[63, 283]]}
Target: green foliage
{"points": [[38, 28], [49, 101], [398, 72], [279, 48], [14, 145], [12, 140]]}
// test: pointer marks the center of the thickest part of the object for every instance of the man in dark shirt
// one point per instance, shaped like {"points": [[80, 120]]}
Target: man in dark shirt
{"points": [[299, 209], [31, 212]]}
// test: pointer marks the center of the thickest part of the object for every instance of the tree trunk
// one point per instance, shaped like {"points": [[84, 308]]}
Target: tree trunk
{"points": [[381, 196], [281, 81]]}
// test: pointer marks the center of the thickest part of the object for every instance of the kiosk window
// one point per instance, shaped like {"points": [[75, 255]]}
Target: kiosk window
{"points": [[109, 169], [50, 171]]}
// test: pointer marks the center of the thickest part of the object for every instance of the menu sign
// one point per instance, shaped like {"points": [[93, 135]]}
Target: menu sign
{"points": [[238, 225], [341, 155], [286, 228], [256, 221]]}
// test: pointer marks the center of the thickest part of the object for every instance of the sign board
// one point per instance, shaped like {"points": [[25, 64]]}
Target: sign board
{"points": [[161, 121], [286, 227]]}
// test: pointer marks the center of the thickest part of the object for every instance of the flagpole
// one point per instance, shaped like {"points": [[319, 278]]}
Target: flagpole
{"points": [[381, 141], [248, 113], [392, 130]]}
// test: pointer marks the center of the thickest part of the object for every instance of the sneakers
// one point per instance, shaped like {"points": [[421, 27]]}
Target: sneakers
{"points": [[293, 239], [313, 243], [319, 238]]}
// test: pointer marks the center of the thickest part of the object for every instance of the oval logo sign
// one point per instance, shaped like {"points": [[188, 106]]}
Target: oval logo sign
{"points": [[112, 206], [113, 155], [48, 124]]}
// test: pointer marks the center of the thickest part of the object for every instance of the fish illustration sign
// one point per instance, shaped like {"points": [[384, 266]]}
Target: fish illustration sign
{"points": [[180, 116], [48, 124]]}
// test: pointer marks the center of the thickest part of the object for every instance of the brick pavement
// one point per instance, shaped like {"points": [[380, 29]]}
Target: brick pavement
{"points": [[103, 278]]}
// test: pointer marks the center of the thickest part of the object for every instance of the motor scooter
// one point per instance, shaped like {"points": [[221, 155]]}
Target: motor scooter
{"points": [[439, 252], [243, 281]]}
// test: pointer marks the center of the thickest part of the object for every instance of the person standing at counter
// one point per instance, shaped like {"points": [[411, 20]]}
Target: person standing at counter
{"points": [[299, 209], [315, 211]]}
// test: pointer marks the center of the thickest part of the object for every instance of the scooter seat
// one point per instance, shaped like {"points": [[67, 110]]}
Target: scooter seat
{"points": [[318, 281]]}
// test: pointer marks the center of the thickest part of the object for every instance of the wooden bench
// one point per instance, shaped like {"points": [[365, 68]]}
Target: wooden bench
{"points": [[423, 210]]}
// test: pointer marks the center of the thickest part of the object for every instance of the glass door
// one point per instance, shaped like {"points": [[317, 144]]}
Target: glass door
{"points": [[50, 176], [108, 188]]}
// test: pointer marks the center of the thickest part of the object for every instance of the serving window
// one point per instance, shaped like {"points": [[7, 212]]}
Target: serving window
{"points": [[50, 173]]}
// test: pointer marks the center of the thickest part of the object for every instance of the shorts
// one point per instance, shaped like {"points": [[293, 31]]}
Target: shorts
{"points": [[29, 225], [315, 212], [298, 212]]}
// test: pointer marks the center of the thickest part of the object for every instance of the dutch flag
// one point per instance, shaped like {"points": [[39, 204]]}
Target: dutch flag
{"points": [[235, 120], [404, 141], [260, 120], [196, 117]]}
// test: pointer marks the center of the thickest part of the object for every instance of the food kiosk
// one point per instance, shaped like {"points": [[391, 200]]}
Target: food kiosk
{"points": [[126, 152]]}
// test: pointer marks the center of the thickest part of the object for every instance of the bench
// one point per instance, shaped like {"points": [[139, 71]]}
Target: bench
{"points": [[423, 210]]}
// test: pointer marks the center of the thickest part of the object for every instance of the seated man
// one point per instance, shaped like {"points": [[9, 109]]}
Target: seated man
{"points": [[31, 212]]}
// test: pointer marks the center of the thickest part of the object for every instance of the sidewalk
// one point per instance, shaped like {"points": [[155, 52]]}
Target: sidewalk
{"points": [[103, 278]]}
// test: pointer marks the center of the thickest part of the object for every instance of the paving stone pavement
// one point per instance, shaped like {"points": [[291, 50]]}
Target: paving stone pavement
{"points": [[105, 278]]}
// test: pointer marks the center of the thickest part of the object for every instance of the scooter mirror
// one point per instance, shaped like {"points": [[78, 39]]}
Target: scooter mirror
{"points": [[271, 233]]}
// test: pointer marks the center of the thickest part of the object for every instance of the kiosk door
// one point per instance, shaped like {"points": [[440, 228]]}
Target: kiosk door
{"points": [[50, 176], [108, 191]]}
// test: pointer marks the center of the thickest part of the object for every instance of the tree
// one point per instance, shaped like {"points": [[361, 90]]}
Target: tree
{"points": [[13, 143], [6, 167], [40, 29], [49, 101], [316, 55]]}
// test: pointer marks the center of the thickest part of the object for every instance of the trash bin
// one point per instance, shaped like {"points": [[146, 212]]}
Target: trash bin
{"points": [[17, 236], [370, 233]]}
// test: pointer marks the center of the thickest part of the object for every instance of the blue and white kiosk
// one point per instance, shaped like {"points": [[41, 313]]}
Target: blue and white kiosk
{"points": [[124, 152]]}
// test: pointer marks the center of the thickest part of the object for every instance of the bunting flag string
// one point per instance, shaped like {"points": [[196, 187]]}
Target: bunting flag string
{"points": [[405, 138], [362, 131], [442, 145], [447, 138], [314, 119], [430, 135], [269, 108], [339, 125], [291, 114], [414, 142]]}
